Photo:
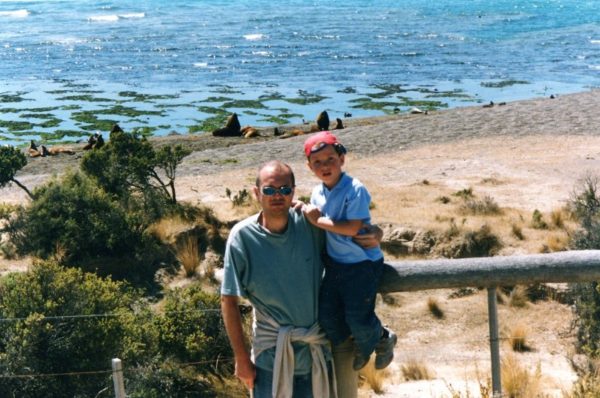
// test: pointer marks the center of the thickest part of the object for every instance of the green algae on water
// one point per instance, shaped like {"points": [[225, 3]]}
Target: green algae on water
{"points": [[209, 124], [503, 83], [15, 125], [4, 98], [305, 98], [217, 99], [139, 97], [84, 98], [248, 104]]}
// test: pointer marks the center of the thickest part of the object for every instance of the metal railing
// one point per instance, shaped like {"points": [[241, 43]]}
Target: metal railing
{"points": [[487, 272]]}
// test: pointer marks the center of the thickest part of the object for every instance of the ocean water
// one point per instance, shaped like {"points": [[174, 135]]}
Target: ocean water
{"points": [[71, 67]]}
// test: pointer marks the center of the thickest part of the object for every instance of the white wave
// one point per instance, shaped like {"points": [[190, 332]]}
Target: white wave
{"points": [[15, 14], [200, 64], [103, 18], [254, 36], [262, 53], [116, 17], [594, 67], [66, 40], [133, 15], [595, 41]]}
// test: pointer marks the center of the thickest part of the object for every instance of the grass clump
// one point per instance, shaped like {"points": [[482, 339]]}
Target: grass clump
{"points": [[518, 297], [241, 198], [188, 255], [518, 381], [486, 206], [518, 338], [466, 193], [373, 378], [414, 370], [537, 220], [517, 231], [434, 308]]}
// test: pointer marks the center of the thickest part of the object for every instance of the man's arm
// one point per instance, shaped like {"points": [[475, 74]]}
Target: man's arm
{"points": [[244, 368]]}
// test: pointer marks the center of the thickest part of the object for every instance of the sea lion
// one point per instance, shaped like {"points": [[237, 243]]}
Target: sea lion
{"points": [[338, 124], [232, 128], [90, 143], [323, 121]]}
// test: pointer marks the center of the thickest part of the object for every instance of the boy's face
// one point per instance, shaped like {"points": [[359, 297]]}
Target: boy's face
{"points": [[327, 165]]}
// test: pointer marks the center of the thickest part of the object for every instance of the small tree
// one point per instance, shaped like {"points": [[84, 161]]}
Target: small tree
{"points": [[129, 165], [11, 161]]}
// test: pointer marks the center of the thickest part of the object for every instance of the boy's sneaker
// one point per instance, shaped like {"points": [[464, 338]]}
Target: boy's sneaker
{"points": [[359, 360], [385, 350]]}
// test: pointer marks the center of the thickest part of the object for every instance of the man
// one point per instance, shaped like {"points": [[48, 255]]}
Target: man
{"points": [[273, 259]]}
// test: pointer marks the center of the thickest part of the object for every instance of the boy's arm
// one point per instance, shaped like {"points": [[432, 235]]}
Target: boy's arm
{"points": [[244, 368], [347, 227]]}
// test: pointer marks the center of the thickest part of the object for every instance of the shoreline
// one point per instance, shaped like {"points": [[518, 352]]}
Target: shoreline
{"points": [[519, 140]]}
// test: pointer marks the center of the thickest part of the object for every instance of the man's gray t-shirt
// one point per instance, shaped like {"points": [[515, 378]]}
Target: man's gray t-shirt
{"points": [[279, 274]]}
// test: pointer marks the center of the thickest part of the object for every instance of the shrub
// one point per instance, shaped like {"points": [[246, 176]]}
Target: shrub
{"points": [[518, 338], [585, 205], [33, 343], [74, 221], [191, 330], [464, 244]]}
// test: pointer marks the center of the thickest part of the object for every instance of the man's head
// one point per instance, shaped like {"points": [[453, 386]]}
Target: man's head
{"points": [[325, 157], [274, 188]]}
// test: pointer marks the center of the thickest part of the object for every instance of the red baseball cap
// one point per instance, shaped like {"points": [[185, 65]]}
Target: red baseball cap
{"points": [[317, 141]]}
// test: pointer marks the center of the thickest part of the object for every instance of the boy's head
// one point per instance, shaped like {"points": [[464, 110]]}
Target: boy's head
{"points": [[325, 155], [318, 141]]}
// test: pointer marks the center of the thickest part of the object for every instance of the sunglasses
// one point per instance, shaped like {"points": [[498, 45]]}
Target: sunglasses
{"points": [[270, 191]]}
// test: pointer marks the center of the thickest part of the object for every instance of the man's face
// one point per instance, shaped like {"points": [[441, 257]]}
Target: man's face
{"points": [[277, 178], [327, 165]]}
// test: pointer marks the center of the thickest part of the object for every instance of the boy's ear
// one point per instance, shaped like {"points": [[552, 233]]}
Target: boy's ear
{"points": [[342, 159], [309, 165]]}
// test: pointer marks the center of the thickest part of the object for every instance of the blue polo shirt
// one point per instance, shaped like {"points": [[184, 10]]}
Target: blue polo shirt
{"points": [[348, 200]]}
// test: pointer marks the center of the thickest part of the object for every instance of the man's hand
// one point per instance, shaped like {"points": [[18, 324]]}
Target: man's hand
{"points": [[245, 371], [370, 238]]}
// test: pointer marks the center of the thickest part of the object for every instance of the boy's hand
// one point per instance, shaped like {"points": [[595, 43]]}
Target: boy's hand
{"points": [[312, 213], [370, 238], [245, 371], [298, 206]]}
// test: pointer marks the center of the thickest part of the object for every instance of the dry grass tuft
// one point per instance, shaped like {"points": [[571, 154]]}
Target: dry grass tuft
{"points": [[518, 381], [434, 308], [518, 338], [518, 297], [555, 243], [537, 220], [485, 207], [188, 255], [374, 378], [517, 231], [413, 370], [557, 218]]}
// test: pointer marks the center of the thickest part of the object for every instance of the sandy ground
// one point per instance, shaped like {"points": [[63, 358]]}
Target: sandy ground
{"points": [[527, 155]]}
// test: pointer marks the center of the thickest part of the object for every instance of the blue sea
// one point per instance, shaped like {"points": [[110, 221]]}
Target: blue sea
{"points": [[71, 67]]}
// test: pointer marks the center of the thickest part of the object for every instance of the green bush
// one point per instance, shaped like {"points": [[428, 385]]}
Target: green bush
{"points": [[192, 330], [33, 343], [11, 161], [585, 205], [75, 222]]}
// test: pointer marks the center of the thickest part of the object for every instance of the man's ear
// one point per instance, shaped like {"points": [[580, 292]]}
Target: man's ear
{"points": [[256, 192]]}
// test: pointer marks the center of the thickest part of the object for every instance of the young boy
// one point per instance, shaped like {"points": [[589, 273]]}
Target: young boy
{"points": [[340, 206]]}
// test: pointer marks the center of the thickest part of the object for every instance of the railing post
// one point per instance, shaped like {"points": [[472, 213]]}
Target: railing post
{"points": [[494, 342], [118, 378]]}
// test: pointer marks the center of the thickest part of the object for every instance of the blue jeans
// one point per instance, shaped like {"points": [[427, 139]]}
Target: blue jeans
{"points": [[347, 303], [263, 385]]}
